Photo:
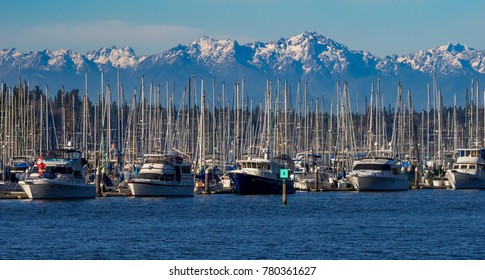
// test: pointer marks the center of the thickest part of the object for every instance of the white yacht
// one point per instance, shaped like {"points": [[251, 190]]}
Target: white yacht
{"points": [[378, 172], [468, 171], [64, 177], [163, 175]]}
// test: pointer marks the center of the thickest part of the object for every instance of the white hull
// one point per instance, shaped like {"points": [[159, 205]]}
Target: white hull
{"points": [[379, 183], [378, 174], [142, 187], [47, 189], [460, 180]]}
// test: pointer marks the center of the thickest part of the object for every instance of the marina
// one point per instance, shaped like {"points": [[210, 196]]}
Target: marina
{"points": [[242, 140], [200, 143]]}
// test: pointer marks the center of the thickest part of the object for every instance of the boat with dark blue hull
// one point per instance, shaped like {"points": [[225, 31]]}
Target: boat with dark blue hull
{"points": [[259, 176]]}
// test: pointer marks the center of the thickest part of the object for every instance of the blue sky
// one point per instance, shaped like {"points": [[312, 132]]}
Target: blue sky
{"points": [[149, 26]]}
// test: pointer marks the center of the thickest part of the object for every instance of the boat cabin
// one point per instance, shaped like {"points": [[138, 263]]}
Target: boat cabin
{"points": [[480, 153], [164, 168], [254, 165]]}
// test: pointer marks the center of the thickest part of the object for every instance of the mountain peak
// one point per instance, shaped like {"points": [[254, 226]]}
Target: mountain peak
{"points": [[307, 56], [453, 48], [208, 50], [120, 58], [204, 42]]}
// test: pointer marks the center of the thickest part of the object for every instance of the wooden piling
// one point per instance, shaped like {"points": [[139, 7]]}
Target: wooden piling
{"points": [[284, 192], [316, 178], [416, 178], [97, 183], [206, 181]]}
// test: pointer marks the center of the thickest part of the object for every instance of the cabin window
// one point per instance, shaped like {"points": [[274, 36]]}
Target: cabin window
{"points": [[472, 167], [59, 169], [158, 159], [150, 176], [167, 177], [77, 174], [463, 166], [456, 166], [186, 169], [178, 173]]}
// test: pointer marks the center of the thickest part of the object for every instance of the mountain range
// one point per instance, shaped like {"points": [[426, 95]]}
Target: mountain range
{"points": [[310, 57]]}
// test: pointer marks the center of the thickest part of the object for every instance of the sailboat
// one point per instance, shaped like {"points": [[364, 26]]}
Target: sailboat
{"points": [[260, 174]]}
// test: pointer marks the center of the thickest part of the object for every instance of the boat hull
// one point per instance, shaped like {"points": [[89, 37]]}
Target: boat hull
{"points": [[158, 188], [9, 186], [379, 183], [47, 189], [253, 184], [460, 180]]}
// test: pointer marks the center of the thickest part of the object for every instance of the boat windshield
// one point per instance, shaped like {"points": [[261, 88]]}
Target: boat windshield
{"points": [[59, 170], [372, 166], [156, 176], [472, 153], [158, 159], [65, 154], [256, 165]]}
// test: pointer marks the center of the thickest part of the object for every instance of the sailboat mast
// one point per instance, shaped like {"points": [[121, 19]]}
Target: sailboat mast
{"points": [[133, 130], [213, 120], [85, 116], [285, 142]]}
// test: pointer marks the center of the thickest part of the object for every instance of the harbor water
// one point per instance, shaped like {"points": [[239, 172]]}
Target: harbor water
{"points": [[409, 225]]}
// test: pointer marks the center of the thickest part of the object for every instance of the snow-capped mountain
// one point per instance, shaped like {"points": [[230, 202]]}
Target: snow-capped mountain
{"points": [[112, 57], [309, 57], [454, 59]]}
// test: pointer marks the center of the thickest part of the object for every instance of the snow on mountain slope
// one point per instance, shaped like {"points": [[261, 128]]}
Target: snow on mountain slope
{"points": [[446, 59], [119, 58], [308, 56]]}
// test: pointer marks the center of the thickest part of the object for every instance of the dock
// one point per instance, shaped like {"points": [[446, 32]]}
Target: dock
{"points": [[13, 195]]}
